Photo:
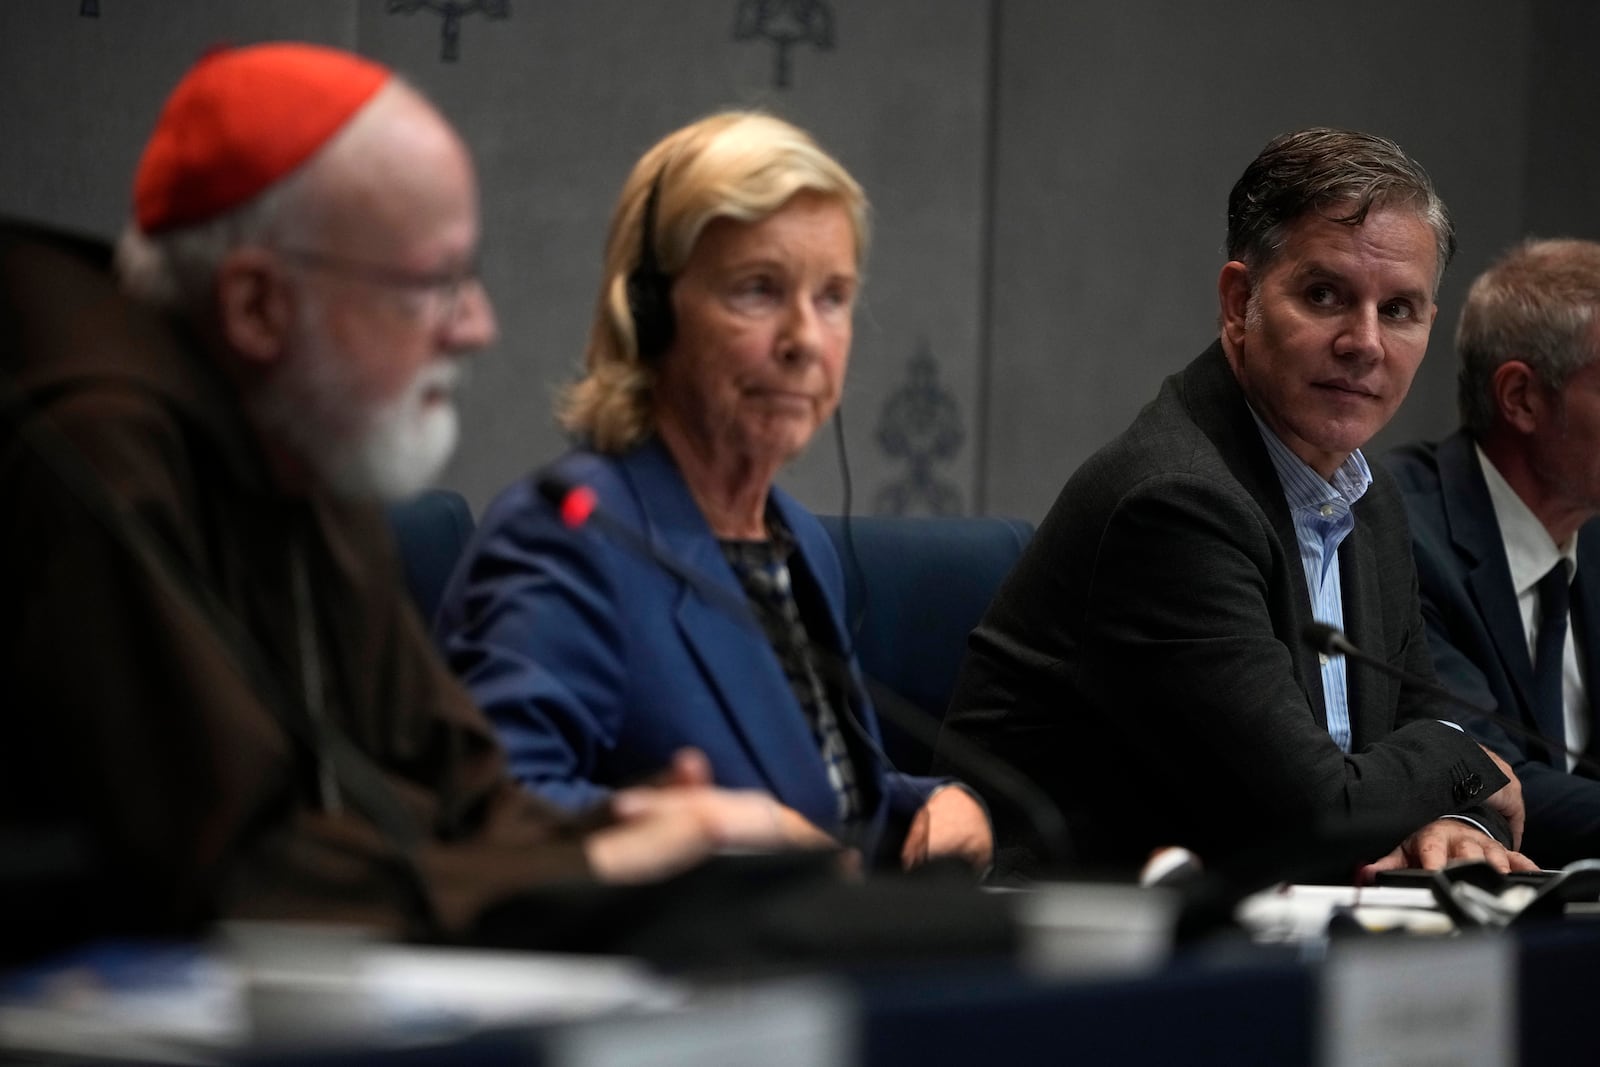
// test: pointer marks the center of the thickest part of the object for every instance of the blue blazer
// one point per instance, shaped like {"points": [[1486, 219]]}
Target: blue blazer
{"points": [[1479, 647], [596, 663]]}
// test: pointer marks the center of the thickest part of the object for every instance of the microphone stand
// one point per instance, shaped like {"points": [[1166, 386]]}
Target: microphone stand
{"points": [[1330, 641]]}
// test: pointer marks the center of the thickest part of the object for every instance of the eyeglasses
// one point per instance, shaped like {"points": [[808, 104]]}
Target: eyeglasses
{"points": [[435, 294]]}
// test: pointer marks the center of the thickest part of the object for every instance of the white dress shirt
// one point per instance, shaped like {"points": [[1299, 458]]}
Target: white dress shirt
{"points": [[1530, 553]]}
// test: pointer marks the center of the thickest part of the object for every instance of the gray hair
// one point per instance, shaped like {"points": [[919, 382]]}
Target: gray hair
{"points": [[1537, 304], [176, 270], [1326, 170]]}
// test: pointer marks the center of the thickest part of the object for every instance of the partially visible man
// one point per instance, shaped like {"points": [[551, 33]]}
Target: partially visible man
{"points": [[1501, 528], [216, 688], [1145, 663]]}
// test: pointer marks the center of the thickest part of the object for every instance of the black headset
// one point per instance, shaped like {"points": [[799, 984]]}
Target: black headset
{"points": [[650, 287]]}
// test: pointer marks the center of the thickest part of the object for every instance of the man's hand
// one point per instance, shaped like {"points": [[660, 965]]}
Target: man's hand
{"points": [[649, 847], [662, 830], [951, 823], [1445, 841], [1507, 800]]}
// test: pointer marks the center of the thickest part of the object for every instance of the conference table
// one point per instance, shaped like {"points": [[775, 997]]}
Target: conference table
{"points": [[1247, 994]]}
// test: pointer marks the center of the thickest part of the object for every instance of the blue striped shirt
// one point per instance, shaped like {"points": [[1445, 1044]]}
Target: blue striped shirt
{"points": [[1323, 518]]}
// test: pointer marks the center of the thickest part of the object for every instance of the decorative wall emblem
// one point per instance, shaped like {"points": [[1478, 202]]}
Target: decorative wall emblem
{"points": [[452, 12], [921, 424], [89, 9], [785, 23]]}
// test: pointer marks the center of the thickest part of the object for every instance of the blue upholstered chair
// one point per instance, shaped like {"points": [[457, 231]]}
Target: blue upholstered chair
{"points": [[431, 530], [915, 587], [915, 590]]}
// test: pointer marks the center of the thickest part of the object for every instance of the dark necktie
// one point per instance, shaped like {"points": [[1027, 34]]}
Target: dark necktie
{"points": [[1549, 653]]}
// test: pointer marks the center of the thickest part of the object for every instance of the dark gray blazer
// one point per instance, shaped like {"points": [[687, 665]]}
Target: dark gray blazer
{"points": [[1143, 662], [1479, 648]]}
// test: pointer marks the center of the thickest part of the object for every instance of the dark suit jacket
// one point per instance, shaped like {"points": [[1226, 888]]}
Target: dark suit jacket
{"points": [[1479, 646], [1143, 662], [153, 657], [595, 664]]}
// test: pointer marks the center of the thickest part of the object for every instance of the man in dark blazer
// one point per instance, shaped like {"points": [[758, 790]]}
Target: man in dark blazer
{"points": [[1144, 662], [1507, 500]]}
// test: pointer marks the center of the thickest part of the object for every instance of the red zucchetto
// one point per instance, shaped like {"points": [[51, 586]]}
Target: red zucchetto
{"points": [[242, 119]]}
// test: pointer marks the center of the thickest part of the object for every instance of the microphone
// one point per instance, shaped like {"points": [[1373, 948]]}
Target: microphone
{"points": [[577, 505], [1330, 641]]}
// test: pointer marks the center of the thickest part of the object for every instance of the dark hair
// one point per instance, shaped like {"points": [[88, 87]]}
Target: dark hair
{"points": [[1325, 170]]}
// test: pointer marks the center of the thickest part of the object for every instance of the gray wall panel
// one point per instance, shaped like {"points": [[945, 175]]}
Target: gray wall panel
{"points": [[559, 99], [1053, 281], [81, 94], [1563, 158], [1121, 129]]}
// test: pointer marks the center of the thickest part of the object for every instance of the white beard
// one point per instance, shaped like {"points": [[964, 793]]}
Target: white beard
{"points": [[390, 452], [406, 442]]}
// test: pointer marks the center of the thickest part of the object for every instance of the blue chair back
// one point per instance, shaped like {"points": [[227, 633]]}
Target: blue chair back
{"points": [[431, 531], [918, 587], [915, 588]]}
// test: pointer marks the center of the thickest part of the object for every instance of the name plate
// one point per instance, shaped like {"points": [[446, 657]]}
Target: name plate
{"points": [[781, 1024], [1418, 1001]]}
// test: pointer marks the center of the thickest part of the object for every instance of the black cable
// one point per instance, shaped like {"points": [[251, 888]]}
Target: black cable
{"points": [[925, 727], [852, 557], [845, 686]]}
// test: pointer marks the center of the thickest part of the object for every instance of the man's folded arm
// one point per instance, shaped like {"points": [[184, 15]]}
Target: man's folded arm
{"points": [[1186, 633]]}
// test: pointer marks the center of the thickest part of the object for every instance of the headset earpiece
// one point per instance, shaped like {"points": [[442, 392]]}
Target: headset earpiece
{"points": [[649, 287]]}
